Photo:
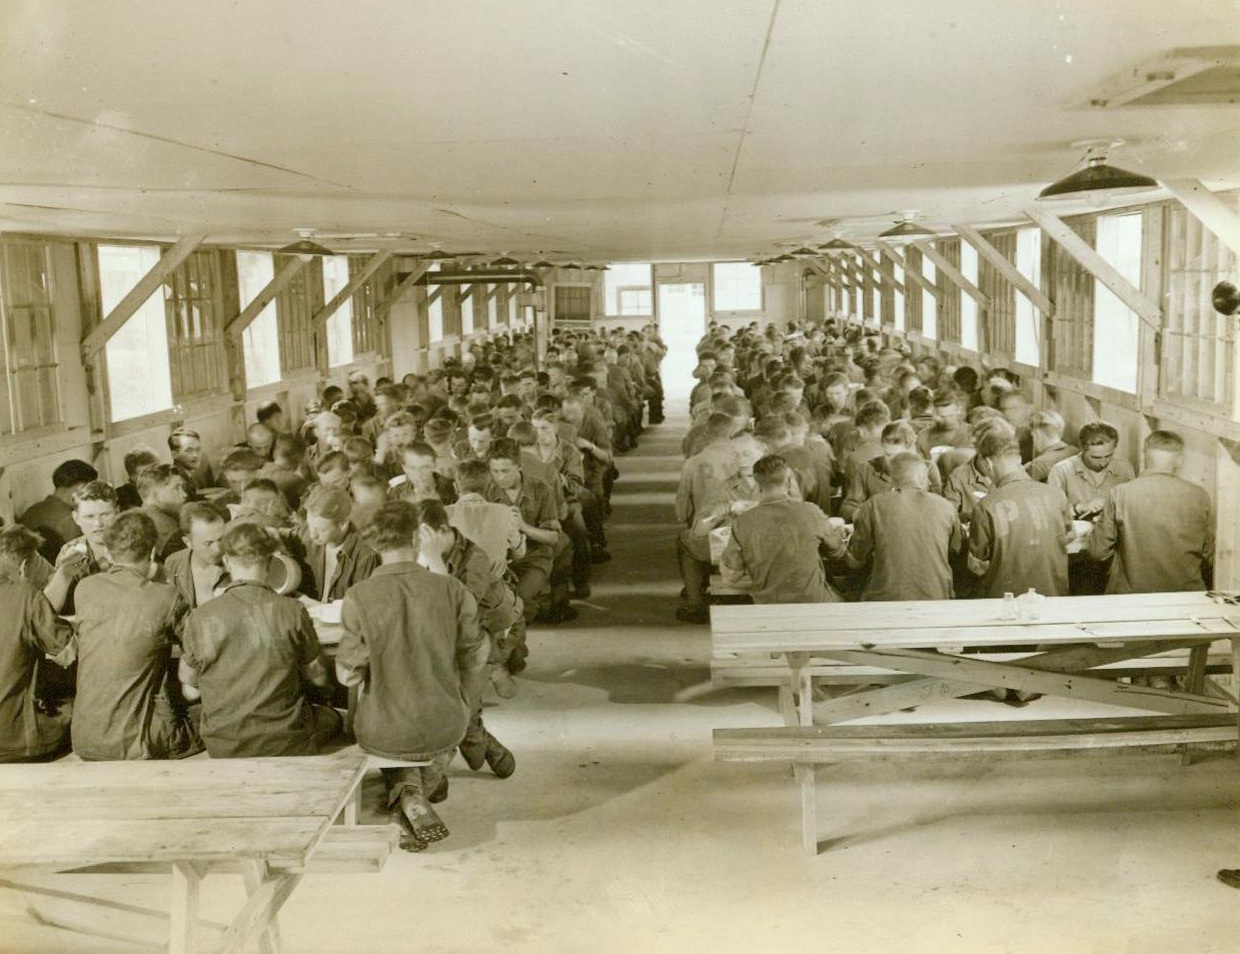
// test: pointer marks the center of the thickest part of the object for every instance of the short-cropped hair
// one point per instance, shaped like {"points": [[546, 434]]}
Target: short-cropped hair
{"points": [[1098, 432], [998, 443], [157, 475], [418, 449], [331, 503], [248, 543], [72, 473], [433, 514], [260, 485], [136, 459], [289, 447], [242, 459], [899, 432], [94, 490], [770, 471], [1167, 441], [909, 470], [358, 449], [391, 527], [523, 433], [199, 511], [179, 436], [330, 462], [946, 397], [872, 414], [472, 476], [1049, 423], [133, 536], [505, 448]]}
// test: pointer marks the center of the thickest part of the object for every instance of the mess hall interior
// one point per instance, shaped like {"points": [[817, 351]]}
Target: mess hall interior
{"points": [[562, 476]]}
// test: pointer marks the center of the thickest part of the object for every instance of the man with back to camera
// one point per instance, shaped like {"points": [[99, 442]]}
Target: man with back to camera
{"points": [[774, 549], [906, 536], [1158, 526]]}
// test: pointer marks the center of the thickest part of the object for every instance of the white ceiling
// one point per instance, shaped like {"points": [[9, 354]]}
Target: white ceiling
{"points": [[596, 129]]}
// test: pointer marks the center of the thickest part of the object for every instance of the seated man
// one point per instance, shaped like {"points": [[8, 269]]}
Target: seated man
{"points": [[263, 504], [52, 517], [127, 705], [949, 428], [1159, 526], [1049, 447], [255, 661], [197, 571], [135, 461], [186, 449], [337, 555], [412, 644], [906, 536], [1019, 534], [874, 476], [162, 489], [547, 563], [29, 633], [94, 510], [288, 454], [494, 527], [420, 480], [239, 468], [443, 549], [774, 550]]}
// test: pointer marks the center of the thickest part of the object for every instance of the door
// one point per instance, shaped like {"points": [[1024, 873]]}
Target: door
{"points": [[682, 322]]}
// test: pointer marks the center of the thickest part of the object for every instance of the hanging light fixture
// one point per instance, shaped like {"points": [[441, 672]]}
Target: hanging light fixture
{"points": [[782, 258], [505, 261], [1098, 182], [906, 228], [304, 246], [836, 244], [803, 252], [543, 263], [572, 265]]}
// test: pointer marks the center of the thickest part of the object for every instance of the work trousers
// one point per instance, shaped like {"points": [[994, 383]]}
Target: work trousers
{"points": [[421, 780]]}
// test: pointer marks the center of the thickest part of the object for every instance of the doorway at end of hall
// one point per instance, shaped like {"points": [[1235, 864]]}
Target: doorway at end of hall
{"points": [[682, 323]]}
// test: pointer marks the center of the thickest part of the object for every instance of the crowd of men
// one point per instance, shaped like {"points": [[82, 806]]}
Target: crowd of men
{"points": [[446, 512], [838, 469]]}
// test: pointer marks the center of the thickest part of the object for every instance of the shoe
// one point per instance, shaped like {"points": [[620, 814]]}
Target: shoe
{"points": [[516, 660], [581, 592], [474, 753], [688, 614], [420, 824], [501, 761], [502, 682], [441, 792], [561, 614], [599, 555], [1230, 877]]}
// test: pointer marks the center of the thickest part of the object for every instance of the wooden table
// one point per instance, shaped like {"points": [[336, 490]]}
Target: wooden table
{"points": [[947, 649], [262, 817]]}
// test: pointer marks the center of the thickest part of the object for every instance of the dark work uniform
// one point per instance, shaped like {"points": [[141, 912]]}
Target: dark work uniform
{"points": [[775, 545], [907, 536], [1022, 529], [29, 631]]}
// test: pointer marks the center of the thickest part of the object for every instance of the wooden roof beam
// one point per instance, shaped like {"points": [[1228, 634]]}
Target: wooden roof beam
{"points": [[1215, 214], [278, 283], [894, 254], [1142, 305], [877, 264], [952, 272], [147, 285], [1005, 268], [376, 262]]}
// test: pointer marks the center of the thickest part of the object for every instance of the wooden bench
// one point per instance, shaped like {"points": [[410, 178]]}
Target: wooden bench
{"points": [[353, 808], [904, 655]]}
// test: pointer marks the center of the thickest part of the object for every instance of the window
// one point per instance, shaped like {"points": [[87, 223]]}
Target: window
{"points": [[139, 378], [467, 313], [1198, 344], [1116, 326], [195, 345], [295, 306], [260, 342], [434, 315], [736, 286], [627, 289], [950, 294], [968, 305], [1029, 263], [340, 322], [512, 307], [31, 396], [492, 306], [635, 301], [572, 302], [914, 293], [929, 302], [897, 299], [368, 336]]}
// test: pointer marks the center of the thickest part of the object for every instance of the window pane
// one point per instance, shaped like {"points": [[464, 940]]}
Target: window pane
{"points": [[1115, 324], [737, 286], [340, 323], [968, 305], [261, 340], [139, 381], [435, 314], [1029, 262], [929, 304], [619, 280]]}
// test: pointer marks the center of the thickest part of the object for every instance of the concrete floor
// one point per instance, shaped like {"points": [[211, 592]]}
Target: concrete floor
{"points": [[618, 832]]}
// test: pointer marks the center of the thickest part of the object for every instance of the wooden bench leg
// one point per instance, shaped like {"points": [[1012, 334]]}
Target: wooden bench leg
{"points": [[255, 874], [809, 807], [1194, 682], [353, 807], [183, 910]]}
